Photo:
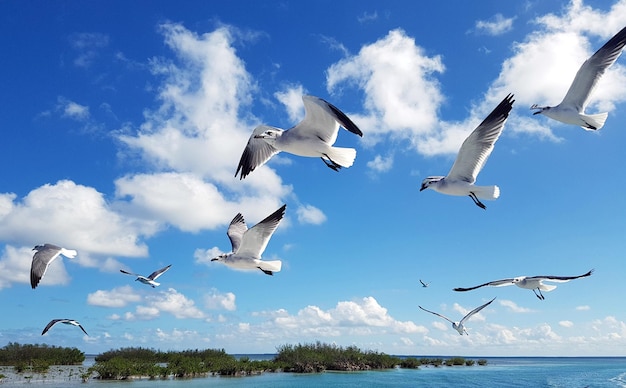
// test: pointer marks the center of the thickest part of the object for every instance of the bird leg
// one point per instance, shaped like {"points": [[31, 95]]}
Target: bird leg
{"points": [[476, 201], [540, 296], [331, 163], [266, 271]]}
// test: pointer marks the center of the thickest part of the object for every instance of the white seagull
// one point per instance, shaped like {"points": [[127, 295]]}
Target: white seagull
{"points": [[249, 244], [150, 279], [66, 321], [572, 109], [458, 326], [424, 284], [472, 157], [530, 283], [313, 137], [44, 255]]}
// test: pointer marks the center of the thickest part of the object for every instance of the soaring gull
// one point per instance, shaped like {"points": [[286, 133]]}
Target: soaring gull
{"points": [[472, 157], [458, 326], [66, 321], [249, 244], [572, 109], [44, 255], [149, 280], [530, 283], [313, 137], [424, 284]]}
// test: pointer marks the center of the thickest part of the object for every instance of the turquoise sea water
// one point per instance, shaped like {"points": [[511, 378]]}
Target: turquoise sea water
{"points": [[500, 372]]}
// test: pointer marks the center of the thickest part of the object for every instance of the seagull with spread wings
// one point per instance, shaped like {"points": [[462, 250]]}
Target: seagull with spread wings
{"points": [[248, 244], [44, 255], [458, 326], [150, 279], [314, 136], [534, 283], [572, 109], [65, 321], [472, 157]]}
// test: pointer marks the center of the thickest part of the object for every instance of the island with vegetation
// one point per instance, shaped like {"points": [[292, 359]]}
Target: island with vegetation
{"points": [[137, 362]]}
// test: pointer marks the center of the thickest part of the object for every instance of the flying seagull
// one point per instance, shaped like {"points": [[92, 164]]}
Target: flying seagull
{"points": [[424, 284], [249, 244], [44, 255], [530, 283], [149, 280], [313, 137], [572, 109], [458, 326], [66, 321], [472, 157]]}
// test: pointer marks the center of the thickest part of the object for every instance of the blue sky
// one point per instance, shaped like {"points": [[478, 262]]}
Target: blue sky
{"points": [[124, 122]]}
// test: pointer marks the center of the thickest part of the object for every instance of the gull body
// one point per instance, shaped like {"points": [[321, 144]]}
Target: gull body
{"points": [[65, 321], [150, 279], [314, 136], [44, 255], [572, 109], [248, 244], [471, 158], [459, 326], [534, 283]]}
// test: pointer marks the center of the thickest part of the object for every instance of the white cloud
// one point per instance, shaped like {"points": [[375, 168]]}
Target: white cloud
{"points": [[566, 323], [512, 306], [583, 308], [367, 17], [381, 163], [73, 110], [204, 256], [497, 25], [216, 300], [88, 46], [169, 301], [117, 297], [291, 98], [309, 214]]}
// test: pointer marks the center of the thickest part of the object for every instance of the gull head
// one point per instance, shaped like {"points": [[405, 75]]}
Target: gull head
{"points": [[540, 110], [430, 181], [269, 133], [221, 257]]}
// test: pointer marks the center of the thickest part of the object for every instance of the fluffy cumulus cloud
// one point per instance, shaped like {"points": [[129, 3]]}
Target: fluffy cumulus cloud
{"points": [[168, 301], [216, 300], [117, 297], [380, 163], [309, 214]]}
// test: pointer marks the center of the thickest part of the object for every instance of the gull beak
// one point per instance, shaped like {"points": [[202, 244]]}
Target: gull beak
{"points": [[424, 187], [214, 259], [537, 112]]}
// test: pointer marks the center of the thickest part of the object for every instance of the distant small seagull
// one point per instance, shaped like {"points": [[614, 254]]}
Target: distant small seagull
{"points": [[149, 280], [472, 157], [458, 326], [249, 244], [530, 283], [44, 255], [313, 137], [424, 284], [66, 321], [572, 109]]}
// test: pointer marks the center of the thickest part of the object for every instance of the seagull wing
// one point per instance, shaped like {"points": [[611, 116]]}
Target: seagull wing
{"points": [[158, 272], [42, 258], [49, 325], [591, 71], [477, 309], [437, 314], [82, 328], [478, 146], [495, 283], [256, 238], [235, 232], [129, 273], [322, 121], [559, 279], [256, 153]]}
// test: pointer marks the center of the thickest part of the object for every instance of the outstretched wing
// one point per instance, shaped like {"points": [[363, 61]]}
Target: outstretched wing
{"points": [[49, 325], [129, 273], [256, 153], [158, 273], [476, 149], [477, 309], [495, 283], [235, 232], [256, 238], [437, 314], [559, 279], [81, 327], [592, 69]]}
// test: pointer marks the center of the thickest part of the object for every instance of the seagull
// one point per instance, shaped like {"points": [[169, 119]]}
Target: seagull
{"points": [[44, 255], [313, 137], [249, 244], [530, 283], [424, 284], [149, 280], [66, 321], [572, 109], [472, 157], [458, 326]]}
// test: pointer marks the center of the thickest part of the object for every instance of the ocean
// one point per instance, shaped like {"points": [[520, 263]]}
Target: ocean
{"points": [[533, 372]]}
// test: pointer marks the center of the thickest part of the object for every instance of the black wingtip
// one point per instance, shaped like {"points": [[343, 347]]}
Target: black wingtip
{"points": [[344, 120]]}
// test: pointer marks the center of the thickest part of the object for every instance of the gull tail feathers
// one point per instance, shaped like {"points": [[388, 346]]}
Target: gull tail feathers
{"points": [[486, 192], [547, 287], [342, 156], [70, 253], [593, 122], [270, 265]]}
